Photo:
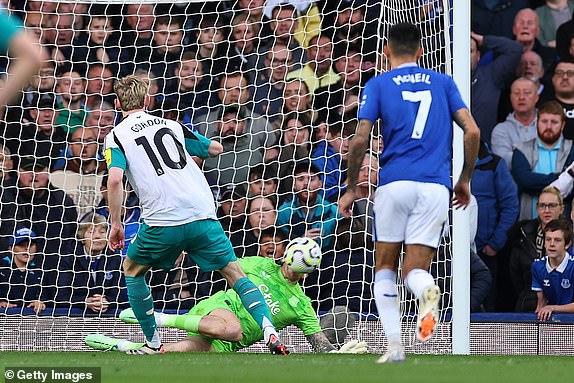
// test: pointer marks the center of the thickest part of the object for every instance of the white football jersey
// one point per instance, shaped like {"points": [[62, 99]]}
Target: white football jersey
{"points": [[171, 187]]}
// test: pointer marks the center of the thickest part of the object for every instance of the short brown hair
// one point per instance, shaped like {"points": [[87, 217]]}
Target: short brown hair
{"points": [[552, 107], [131, 91], [562, 225]]}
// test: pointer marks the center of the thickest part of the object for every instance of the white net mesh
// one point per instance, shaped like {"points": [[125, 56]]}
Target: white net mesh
{"points": [[277, 86]]}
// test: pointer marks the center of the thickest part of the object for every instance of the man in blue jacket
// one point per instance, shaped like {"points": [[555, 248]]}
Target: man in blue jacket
{"points": [[497, 198]]}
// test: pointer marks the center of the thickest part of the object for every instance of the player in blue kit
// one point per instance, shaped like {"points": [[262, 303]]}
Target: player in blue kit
{"points": [[416, 107], [553, 275]]}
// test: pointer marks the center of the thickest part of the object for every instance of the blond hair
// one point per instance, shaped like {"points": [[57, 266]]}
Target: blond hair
{"points": [[90, 221], [553, 190], [131, 91]]}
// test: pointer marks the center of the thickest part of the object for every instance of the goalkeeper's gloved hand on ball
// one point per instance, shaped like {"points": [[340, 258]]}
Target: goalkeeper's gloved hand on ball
{"points": [[353, 347]]}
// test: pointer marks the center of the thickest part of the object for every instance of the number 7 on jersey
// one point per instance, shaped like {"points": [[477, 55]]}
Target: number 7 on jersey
{"points": [[425, 99]]}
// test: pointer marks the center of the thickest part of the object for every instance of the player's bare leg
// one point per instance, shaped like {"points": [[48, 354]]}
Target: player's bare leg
{"points": [[190, 344], [420, 282], [386, 297], [221, 324], [254, 302]]}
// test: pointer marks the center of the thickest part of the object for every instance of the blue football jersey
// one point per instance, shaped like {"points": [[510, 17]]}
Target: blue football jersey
{"points": [[555, 284], [416, 108]]}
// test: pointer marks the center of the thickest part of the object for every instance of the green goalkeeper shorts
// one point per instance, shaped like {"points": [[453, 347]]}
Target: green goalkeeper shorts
{"points": [[217, 301], [160, 246]]}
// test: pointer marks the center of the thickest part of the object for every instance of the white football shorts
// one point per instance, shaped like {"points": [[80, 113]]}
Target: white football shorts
{"points": [[411, 212]]}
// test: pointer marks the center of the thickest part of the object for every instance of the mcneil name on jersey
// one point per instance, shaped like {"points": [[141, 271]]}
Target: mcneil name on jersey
{"points": [[412, 78], [144, 124]]}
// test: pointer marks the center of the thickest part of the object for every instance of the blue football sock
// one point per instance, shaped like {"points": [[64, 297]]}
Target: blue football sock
{"points": [[141, 301]]}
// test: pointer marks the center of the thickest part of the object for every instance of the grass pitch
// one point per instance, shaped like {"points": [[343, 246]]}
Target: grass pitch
{"points": [[242, 367]]}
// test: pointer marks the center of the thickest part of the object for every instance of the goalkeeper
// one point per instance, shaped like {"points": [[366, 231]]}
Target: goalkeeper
{"points": [[221, 323]]}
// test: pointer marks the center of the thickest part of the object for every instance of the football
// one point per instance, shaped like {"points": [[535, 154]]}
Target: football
{"points": [[303, 255]]}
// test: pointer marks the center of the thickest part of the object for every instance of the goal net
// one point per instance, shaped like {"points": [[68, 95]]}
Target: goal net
{"points": [[276, 84]]}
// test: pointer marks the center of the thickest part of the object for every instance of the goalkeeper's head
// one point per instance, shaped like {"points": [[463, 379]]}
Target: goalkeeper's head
{"points": [[405, 41], [132, 93]]}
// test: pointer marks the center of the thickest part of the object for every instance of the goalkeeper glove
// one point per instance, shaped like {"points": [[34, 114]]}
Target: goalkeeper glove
{"points": [[353, 347]]}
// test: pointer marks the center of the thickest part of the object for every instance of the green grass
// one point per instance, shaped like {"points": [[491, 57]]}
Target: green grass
{"points": [[241, 367]]}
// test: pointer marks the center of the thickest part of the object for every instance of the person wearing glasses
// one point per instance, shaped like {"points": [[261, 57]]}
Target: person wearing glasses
{"points": [[563, 84], [527, 245], [538, 162]]}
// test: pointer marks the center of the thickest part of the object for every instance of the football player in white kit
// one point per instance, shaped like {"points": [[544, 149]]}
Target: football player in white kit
{"points": [[178, 209]]}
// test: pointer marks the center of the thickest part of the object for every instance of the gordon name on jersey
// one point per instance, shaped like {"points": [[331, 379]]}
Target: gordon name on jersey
{"points": [[158, 164]]}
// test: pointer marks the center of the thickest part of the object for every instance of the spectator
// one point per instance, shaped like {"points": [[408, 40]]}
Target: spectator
{"points": [[245, 45], [294, 146], [551, 15], [59, 33], [90, 279], [495, 17], [80, 174], [233, 92], [305, 13], [44, 83], [7, 179], [564, 35], [41, 136], [538, 162], [351, 231], [553, 275], [527, 245], [37, 204], [526, 28], [563, 83], [167, 46], [71, 89], [102, 119], [296, 98], [83, 149], [21, 278], [272, 244], [100, 86], [261, 215], [283, 24], [232, 209], [136, 36], [520, 125], [530, 67], [343, 95], [270, 82], [497, 199], [131, 213], [190, 90], [480, 277], [96, 46], [306, 214], [330, 157], [243, 148], [317, 73], [262, 180], [212, 47], [487, 81]]}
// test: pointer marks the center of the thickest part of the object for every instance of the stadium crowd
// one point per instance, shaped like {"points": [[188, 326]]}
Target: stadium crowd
{"points": [[278, 84]]}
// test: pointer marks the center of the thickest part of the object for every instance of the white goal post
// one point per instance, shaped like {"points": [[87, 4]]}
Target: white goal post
{"points": [[446, 45]]}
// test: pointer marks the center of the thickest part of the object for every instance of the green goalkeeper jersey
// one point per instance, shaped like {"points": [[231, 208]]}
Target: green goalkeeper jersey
{"points": [[287, 303]]}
